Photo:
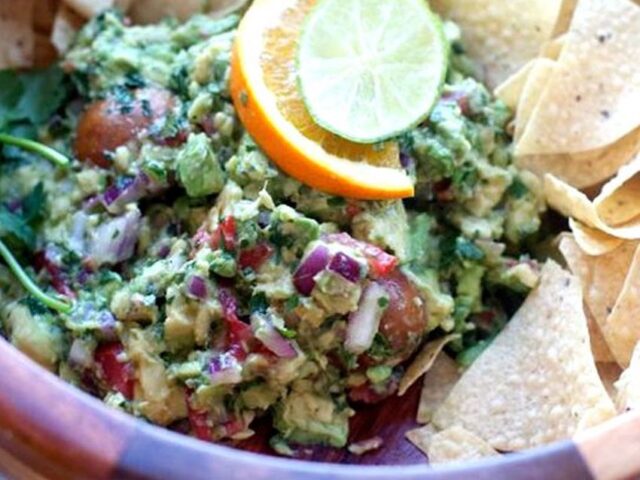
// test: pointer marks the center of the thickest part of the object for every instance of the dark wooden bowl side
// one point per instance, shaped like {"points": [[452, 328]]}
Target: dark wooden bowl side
{"points": [[62, 433]]}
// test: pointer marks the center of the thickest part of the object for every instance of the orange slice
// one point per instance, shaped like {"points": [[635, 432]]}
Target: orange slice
{"points": [[265, 93]]}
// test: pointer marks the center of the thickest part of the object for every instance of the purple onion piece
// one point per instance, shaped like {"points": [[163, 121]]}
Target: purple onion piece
{"points": [[344, 265], [224, 369], [265, 331], [364, 323], [309, 267], [114, 241], [124, 192], [197, 288]]}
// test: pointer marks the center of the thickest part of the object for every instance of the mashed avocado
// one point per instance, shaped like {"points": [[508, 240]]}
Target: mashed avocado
{"points": [[210, 287]]}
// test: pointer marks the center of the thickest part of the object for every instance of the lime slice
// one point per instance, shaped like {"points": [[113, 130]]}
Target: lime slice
{"points": [[371, 69]]}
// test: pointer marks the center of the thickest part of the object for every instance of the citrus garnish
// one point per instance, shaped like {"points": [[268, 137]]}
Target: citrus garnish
{"points": [[264, 87], [371, 69]]}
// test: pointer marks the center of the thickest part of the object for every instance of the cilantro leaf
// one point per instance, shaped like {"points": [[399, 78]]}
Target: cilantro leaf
{"points": [[31, 97], [15, 228], [10, 92], [33, 205], [44, 93]]}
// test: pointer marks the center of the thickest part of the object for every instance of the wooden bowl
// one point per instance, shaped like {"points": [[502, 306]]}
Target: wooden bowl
{"points": [[48, 429]]}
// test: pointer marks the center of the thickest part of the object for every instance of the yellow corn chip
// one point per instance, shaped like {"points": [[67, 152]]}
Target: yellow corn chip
{"points": [[424, 361], [628, 386], [438, 383], [590, 101], [501, 36], [537, 382]]}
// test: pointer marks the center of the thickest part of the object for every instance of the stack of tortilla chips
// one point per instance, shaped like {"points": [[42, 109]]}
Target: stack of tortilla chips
{"points": [[34, 32], [550, 374]]}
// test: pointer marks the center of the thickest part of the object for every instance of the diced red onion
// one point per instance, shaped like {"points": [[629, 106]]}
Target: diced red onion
{"points": [[197, 288], [311, 265], [114, 241], [364, 322], [346, 266], [224, 369], [80, 355], [271, 338], [127, 191]]}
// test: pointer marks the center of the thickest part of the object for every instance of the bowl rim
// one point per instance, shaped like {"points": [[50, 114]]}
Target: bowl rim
{"points": [[52, 436]]}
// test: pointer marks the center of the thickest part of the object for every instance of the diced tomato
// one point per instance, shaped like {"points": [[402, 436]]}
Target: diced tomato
{"points": [[238, 332], [443, 191], [118, 375], [352, 210], [199, 421], [380, 262], [59, 279], [233, 426], [228, 231], [255, 257]]}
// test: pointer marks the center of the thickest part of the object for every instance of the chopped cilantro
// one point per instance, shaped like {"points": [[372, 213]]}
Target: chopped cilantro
{"points": [[380, 348], [517, 189]]}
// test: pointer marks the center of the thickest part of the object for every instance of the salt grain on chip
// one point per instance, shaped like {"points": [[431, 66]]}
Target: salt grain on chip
{"points": [[537, 382]]}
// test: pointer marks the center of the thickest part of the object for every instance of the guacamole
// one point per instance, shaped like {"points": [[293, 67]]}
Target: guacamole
{"points": [[209, 288]]}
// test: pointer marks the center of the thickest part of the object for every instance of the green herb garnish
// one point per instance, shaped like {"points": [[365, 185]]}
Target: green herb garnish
{"points": [[55, 303]]}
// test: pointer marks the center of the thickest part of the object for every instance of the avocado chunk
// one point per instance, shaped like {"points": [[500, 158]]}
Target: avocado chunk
{"points": [[198, 168], [35, 334], [309, 418]]}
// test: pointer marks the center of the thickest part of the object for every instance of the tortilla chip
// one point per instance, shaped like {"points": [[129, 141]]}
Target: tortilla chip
{"points": [[599, 347], [65, 27], [603, 279], [584, 169], [89, 8], [511, 89], [220, 8], [609, 374], [567, 9], [501, 36], [421, 437], [537, 382], [457, 444], [438, 383], [622, 329], [16, 34], [593, 242], [44, 53], [590, 101], [541, 71], [619, 200], [44, 11], [150, 11], [573, 203], [628, 386], [424, 361]]}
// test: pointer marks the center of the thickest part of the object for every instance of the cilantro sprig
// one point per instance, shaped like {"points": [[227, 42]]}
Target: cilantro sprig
{"points": [[55, 303], [27, 100], [36, 147]]}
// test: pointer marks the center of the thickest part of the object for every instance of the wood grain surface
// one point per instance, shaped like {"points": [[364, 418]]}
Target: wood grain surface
{"points": [[54, 430]]}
